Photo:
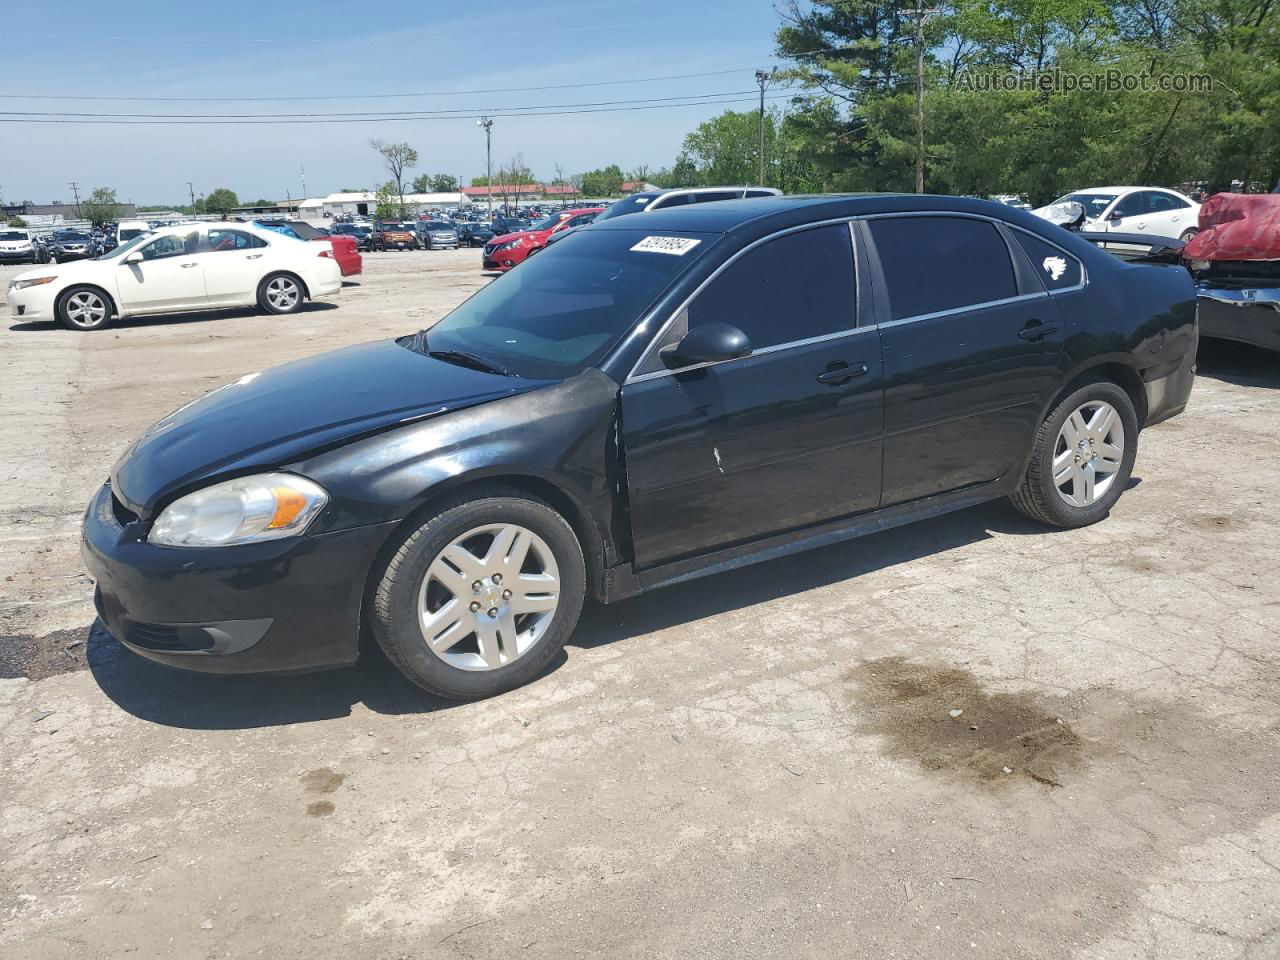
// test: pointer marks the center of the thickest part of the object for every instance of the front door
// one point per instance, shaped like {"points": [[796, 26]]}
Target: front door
{"points": [[971, 353], [168, 276], [784, 438]]}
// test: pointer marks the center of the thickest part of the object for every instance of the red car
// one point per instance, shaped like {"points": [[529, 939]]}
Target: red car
{"points": [[505, 251], [345, 248]]}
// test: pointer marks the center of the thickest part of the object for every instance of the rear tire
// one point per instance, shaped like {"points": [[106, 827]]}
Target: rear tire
{"points": [[84, 309], [1186, 235], [281, 293], [463, 643], [1082, 458]]}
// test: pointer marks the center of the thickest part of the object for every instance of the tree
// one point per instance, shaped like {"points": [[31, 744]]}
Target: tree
{"points": [[101, 206], [435, 183], [17, 222], [640, 173], [605, 182], [388, 202], [221, 201], [397, 157]]}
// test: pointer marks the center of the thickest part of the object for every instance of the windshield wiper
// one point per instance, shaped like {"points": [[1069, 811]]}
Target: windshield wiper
{"points": [[418, 344]]}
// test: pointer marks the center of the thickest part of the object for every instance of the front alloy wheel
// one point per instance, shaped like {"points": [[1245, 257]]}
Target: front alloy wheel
{"points": [[84, 308], [480, 597]]}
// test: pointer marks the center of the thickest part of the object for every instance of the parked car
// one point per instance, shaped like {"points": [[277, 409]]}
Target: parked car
{"points": [[651, 200], [68, 245], [393, 236], [127, 230], [360, 232], [345, 249], [1155, 210], [474, 234], [1235, 259], [437, 235], [652, 400], [177, 269], [511, 249], [18, 245]]}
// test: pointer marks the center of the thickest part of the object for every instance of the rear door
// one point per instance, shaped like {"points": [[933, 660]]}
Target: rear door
{"points": [[233, 264], [971, 352], [789, 436]]}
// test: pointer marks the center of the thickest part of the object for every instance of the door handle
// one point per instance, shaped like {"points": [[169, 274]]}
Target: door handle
{"points": [[252, 256], [1035, 330], [841, 372], [187, 266]]}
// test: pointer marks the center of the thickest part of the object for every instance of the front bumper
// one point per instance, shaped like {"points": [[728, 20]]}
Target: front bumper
{"points": [[1248, 314], [280, 605], [32, 303], [18, 256]]}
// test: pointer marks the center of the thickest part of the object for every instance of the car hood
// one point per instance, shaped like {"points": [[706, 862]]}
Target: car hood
{"points": [[275, 417], [62, 271], [519, 234]]}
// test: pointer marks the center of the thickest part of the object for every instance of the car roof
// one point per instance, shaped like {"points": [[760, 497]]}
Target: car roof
{"points": [[766, 214]]}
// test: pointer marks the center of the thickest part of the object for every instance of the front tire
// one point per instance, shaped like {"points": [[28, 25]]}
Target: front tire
{"points": [[281, 293], [1082, 459], [478, 598], [84, 309]]}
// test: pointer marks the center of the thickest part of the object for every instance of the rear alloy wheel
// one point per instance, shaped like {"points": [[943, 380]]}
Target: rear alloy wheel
{"points": [[1188, 234], [280, 293], [1083, 457], [480, 597], [84, 308]]}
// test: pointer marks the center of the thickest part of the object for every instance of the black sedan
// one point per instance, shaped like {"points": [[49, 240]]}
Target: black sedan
{"points": [[653, 399], [475, 234]]}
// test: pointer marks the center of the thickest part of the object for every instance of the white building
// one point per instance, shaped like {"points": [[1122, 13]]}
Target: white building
{"points": [[363, 204]]}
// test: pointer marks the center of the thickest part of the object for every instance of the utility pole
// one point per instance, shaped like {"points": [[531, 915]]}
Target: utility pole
{"points": [[762, 80], [304, 180], [75, 189], [487, 124], [192, 190], [920, 14]]}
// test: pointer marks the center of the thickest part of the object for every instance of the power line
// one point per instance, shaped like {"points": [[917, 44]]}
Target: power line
{"points": [[532, 112], [467, 111]]}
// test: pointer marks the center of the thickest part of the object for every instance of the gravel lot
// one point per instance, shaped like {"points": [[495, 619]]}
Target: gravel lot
{"points": [[760, 764]]}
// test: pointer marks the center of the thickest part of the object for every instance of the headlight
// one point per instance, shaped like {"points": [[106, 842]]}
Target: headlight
{"points": [[23, 284], [268, 506]]}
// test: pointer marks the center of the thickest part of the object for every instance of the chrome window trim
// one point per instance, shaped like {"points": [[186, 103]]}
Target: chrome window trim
{"points": [[969, 309], [633, 377], [1084, 268], [763, 351]]}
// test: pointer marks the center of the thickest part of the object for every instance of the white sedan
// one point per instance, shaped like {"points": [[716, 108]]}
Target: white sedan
{"points": [[1152, 210], [192, 266]]}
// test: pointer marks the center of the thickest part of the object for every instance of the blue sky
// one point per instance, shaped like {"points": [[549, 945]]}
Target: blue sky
{"points": [[308, 48]]}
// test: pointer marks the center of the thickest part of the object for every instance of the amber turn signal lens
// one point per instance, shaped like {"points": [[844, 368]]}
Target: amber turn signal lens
{"points": [[289, 503]]}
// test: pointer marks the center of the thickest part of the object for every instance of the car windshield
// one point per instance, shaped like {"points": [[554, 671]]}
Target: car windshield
{"points": [[393, 226], [13, 235], [1093, 203], [547, 223], [563, 311], [70, 236], [131, 233], [627, 205], [439, 225]]}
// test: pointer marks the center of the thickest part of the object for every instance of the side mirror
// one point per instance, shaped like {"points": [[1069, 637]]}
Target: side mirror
{"points": [[708, 343], [1115, 216], [134, 257]]}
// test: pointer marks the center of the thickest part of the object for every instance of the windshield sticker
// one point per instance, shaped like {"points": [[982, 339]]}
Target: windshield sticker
{"points": [[1054, 267], [677, 246]]}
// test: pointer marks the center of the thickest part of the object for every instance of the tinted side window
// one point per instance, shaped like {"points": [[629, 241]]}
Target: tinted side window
{"points": [[170, 246], [1160, 202], [1132, 205], [942, 263], [711, 196], [221, 240], [1058, 270], [792, 288], [679, 200]]}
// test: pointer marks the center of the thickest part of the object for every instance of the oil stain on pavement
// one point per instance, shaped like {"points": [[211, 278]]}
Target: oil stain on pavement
{"points": [[947, 722]]}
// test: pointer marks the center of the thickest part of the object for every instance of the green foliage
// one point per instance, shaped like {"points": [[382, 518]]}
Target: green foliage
{"points": [[387, 202], [101, 207], [397, 158], [221, 201], [16, 222], [852, 124], [605, 182], [434, 183]]}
